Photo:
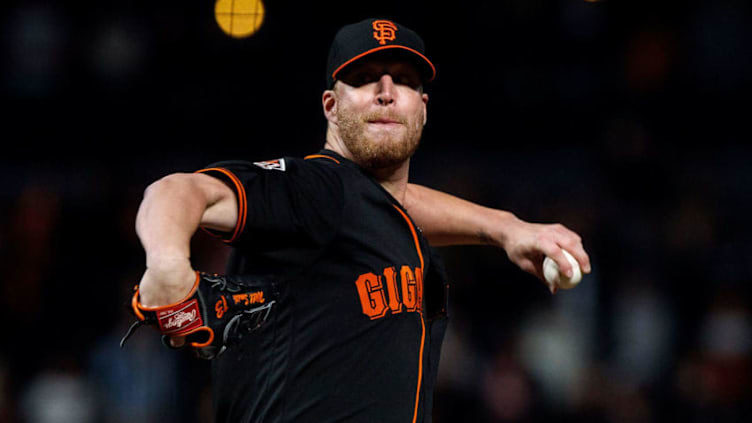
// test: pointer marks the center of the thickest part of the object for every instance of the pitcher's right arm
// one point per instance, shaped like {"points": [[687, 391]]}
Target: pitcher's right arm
{"points": [[170, 213]]}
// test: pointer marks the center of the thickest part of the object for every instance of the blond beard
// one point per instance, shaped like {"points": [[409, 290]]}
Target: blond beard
{"points": [[382, 150]]}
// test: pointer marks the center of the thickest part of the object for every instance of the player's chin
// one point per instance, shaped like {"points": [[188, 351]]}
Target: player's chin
{"points": [[390, 145], [384, 133], [389, 155]]}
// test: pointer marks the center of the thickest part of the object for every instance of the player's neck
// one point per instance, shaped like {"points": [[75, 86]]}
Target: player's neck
{"points": [[393, 178]]}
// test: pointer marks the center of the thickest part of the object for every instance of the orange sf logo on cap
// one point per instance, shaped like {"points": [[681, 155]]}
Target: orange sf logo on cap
{"points": [[384, 31]]}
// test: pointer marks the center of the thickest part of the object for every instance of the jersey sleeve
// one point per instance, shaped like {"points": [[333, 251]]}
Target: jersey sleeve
{"points": [[281, 203]]}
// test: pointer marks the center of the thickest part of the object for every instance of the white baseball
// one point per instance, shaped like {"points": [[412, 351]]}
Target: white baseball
{"points": [[553, 276]]}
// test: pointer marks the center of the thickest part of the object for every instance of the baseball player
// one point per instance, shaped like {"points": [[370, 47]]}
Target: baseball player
{"points": [[334, 304]]}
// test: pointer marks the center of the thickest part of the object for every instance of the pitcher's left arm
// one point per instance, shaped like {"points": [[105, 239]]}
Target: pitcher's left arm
{"points": [[449, 220]]}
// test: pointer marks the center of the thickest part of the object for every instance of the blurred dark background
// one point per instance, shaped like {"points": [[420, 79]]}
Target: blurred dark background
{"points": [[626, 121]]}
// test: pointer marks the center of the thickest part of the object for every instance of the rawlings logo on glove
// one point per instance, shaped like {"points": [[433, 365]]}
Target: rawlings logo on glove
{"points": [[218, 311], [175, 320]]}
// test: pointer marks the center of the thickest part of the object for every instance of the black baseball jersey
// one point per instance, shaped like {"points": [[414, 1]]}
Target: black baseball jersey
{"points": [[361, 312]]}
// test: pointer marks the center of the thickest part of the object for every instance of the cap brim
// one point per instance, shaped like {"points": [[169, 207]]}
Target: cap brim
{"points": [[427, 69]]}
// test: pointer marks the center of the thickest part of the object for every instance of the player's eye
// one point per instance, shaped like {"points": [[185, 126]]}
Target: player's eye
{"points": [[404, 79], [408, 80], [358, 77], [366, 78]]}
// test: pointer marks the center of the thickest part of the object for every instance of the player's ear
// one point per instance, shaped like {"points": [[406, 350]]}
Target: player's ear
{"points": [[329, 104], [425, 108]]}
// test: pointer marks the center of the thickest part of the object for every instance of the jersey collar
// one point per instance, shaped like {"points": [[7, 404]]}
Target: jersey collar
{"points": [[333, 156]]}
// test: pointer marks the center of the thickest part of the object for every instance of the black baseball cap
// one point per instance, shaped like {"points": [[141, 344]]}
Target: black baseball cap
{"points": [[370, 36]]}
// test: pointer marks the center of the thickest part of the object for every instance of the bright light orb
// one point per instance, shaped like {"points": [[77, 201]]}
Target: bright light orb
{"points": [[239, 18]]}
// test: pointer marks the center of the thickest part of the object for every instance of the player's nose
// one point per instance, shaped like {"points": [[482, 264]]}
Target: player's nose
{"points": [[385, 90]]}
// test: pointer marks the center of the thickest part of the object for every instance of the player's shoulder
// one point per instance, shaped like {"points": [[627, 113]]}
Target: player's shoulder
{"points": [[287, 164], [315, 171], [280, 164]]}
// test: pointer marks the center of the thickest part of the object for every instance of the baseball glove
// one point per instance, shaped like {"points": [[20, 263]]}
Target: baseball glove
{"points": [[216, 314]]}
